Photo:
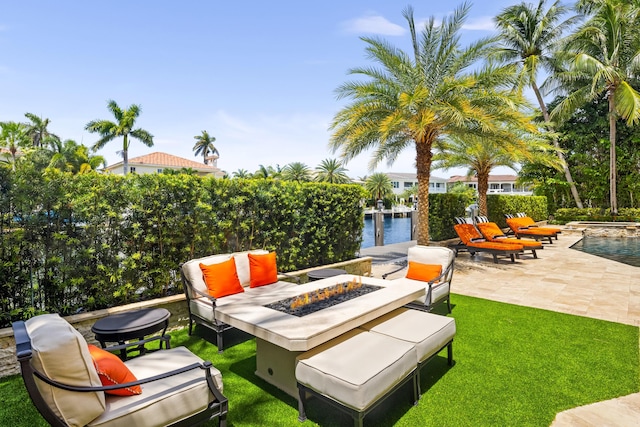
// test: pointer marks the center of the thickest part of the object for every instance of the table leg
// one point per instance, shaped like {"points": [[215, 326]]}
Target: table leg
{"points": [[277, 366]]}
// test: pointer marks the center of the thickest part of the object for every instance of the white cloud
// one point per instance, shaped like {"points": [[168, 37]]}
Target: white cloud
{"points": [[373, 24], [483, 23]]}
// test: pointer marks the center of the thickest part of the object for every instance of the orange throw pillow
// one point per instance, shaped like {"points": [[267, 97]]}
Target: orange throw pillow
{"points": [[423, 272], [113, 371], [262, 269], [222, 278]]}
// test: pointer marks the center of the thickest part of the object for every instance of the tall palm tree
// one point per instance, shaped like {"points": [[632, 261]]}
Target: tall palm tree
{"points": [[204, 146], [604, 59], [482, 155], [332, 171], [37, 130], [379, 186], [122, 127], [13, 137], [412, 100], [242, 173], [529, 38], [296, 171], [268, 172]]}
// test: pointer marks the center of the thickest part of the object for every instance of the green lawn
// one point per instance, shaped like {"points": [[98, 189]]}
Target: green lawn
{"points": [[513, 366]]}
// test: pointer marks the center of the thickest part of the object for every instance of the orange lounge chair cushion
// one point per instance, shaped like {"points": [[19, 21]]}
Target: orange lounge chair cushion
{"points": [[493, 233], [467, 232], [527, 225]]}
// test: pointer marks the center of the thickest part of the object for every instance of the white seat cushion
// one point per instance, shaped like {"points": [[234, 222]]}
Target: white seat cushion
{"points": [[428, 332], [357, 368], [61, 353], [161, 402]]}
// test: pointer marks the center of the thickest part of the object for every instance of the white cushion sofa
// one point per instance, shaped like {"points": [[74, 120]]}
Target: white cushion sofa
{"points": [[178, 388], [202, 306]]}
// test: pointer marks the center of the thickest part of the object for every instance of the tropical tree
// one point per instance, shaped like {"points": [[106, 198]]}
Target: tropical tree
{"points": [[37, 130], [379, 186], [122, 127], [296, 171], [482, 155], [72, 157], [12, 138], [268, 172], [604, 58], [204, 146], [529, 38], [412, 100], [332, 171], [242, 173]]}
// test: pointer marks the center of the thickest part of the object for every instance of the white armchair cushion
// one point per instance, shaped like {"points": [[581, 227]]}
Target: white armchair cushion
{"points": [[165, 401], [60, 352]]}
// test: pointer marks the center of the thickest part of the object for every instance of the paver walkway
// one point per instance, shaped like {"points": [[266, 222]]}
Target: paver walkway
{"points": [[561, 279]]}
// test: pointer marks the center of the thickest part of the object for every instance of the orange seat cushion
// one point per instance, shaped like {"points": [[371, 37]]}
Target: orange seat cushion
{"points": [[113, 371], [466, 232], [222, 278], [262, 269], [423, 272]]}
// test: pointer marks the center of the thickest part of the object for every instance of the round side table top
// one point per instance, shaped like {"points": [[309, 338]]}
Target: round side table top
{"points": [[130, 321], [325, 273]]}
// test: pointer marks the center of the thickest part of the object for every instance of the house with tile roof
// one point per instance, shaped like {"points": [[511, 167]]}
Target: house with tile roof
{"points": [[498, 184], [157, 162], [402, 181]]}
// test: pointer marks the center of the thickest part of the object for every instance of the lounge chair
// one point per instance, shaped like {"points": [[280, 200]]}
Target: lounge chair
{"points": [[493, 233], [526, 227], [472, 241]]}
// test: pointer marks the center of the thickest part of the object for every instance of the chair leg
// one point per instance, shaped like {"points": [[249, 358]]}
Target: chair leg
{"points": [[302, 416], [449, 303], [190, 326], [535, 255], [219, 341], [450, 353]]}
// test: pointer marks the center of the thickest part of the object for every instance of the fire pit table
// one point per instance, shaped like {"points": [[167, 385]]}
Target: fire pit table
{"points": [[281, 336]]}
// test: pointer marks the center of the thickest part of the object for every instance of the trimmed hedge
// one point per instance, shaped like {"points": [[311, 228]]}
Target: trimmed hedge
{"points": [[498, 205], [442, 209], [92, 241], [565, 215]]}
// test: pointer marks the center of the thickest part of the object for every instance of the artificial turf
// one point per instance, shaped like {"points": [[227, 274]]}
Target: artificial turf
{"points": [[513, 366]]}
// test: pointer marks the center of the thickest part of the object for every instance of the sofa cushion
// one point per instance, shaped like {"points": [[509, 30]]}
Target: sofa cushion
{"points": [[262, 269], [423, 272], [61, 353], [113, 371], [428, 332], [242, 264], [222, 278], [193, 273], [357, 368], [161, 402]]}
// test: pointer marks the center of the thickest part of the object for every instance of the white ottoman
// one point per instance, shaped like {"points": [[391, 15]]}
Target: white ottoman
{"points": [[429, 333], [355, 371]]}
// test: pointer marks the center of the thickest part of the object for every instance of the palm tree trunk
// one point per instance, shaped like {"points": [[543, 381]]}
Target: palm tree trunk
{"points": [[125, 156], [565, 166], [423, 165], [613, 173], [483, 187]]}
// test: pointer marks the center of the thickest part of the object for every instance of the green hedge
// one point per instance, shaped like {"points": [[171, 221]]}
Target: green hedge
{"points": [[533, 206], [442, 209], [565, 215], [94, 241]]}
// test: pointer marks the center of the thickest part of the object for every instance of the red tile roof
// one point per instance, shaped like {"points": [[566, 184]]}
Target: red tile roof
{"points": [[168, 160]]}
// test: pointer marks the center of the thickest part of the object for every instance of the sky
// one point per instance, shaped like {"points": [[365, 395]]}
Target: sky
{"points": [[260, 77]]}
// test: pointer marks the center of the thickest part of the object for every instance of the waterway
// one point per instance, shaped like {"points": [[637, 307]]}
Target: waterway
{"points": [[396, 230]]}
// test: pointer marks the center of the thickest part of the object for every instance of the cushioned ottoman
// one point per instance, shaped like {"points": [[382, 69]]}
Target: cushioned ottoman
{"points": [[429, 333], [355, 371]]}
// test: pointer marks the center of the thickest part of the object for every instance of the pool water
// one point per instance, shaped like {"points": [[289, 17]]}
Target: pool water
{"points": [[625, 250], [396, 230]]}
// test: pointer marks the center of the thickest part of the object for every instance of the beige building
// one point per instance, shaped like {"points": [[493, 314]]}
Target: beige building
{"points": [[157, 162], [402, 181], [498, 184]]}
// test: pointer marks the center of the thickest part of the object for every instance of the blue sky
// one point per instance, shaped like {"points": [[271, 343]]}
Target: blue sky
{"points": [[258, 76]]}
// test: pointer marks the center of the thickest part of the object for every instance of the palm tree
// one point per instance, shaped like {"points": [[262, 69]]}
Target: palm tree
{"points": [[242, 173], [331, 171], [296, 171], [268, 172], [122, 127], [379, 186], [12, 138], [412, 100], [604, 60], [204, 146], [529, 37], [37, 130], [481, 156], [73, 157]]}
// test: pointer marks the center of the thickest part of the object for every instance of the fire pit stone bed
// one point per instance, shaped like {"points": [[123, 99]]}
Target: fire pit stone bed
{"points": [[320, 299]]}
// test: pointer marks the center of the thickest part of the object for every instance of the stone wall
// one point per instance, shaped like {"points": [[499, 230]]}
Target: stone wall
{"points": [[175, 304]]}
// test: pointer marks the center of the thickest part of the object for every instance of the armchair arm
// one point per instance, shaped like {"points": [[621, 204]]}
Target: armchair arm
{"points": [[403, 265]]}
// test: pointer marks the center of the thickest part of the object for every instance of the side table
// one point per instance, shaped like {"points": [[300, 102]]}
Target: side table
{"points": [[133, 325], [325, 273]]}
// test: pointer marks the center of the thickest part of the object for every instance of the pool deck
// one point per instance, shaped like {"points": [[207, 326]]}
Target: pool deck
{"points": [[561, 279]]}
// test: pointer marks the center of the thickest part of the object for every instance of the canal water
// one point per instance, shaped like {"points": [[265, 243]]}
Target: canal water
{"points": [[396, 230]]}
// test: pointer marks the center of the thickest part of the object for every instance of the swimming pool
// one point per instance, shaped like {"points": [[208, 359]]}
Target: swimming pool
{"points": [[625, 250]]}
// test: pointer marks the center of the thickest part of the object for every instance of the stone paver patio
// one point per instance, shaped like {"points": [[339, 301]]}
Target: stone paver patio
{"points": [[561, 279]]}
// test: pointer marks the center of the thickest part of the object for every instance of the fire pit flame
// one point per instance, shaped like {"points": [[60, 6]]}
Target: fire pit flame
{"points": [[326, 293]]}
